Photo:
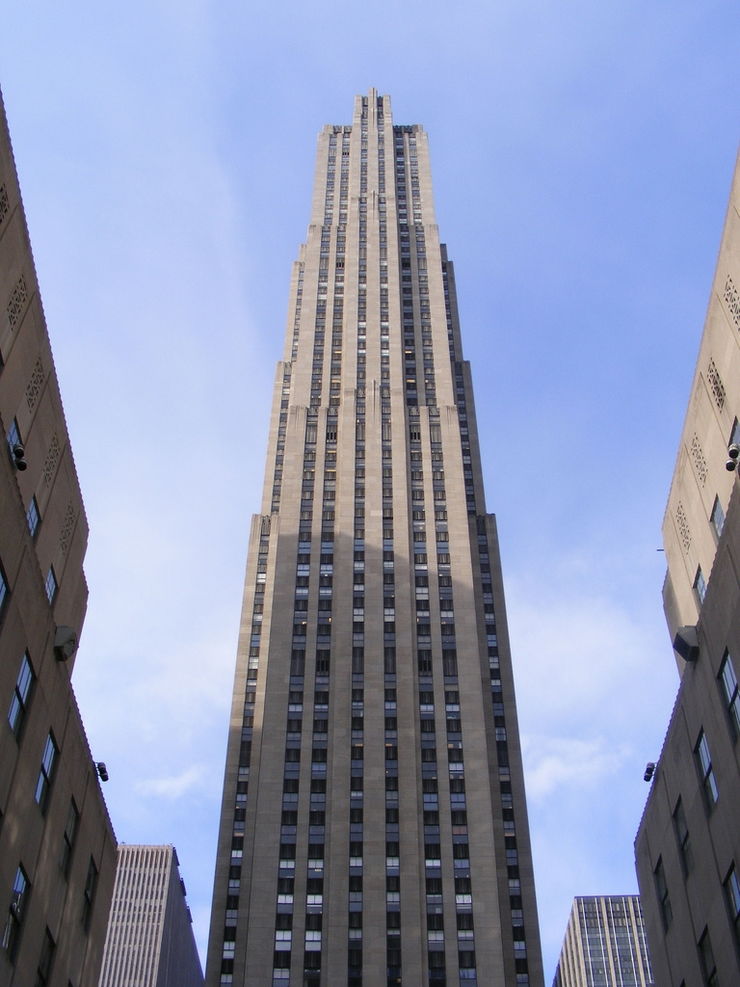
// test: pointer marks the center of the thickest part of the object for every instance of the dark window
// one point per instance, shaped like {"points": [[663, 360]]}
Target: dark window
{"points": [[16, 912], [732, 888], [4, 590], [682, 837], [21, 695], [728, 678], [70, 835], [91, 884], [43, 971], [707, 771], [706, 955], [661, 890], [46, 772]]}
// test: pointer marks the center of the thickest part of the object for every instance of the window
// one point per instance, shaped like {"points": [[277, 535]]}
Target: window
{"points": [[43, 971], [718, 517], [729, 686], [706, 956], [46, 772], [16, 912], [700, 585], [682, 838], [735, 434], [70, 835], [707, 771], [13, 437], [33, 518], [51, 584], [21, 695], [732, 889], [661, 890], [91, 884], [4, 590]]}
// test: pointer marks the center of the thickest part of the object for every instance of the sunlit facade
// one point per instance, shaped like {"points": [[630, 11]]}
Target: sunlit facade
{"points": [[374, 827]]}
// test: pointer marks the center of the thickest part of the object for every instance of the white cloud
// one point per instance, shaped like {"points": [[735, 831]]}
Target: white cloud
{"points": [[173, 787], [554, 763]]}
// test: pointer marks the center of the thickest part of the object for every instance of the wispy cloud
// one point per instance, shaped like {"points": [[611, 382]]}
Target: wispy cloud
{"points": [[174, 786], [561, 762]]}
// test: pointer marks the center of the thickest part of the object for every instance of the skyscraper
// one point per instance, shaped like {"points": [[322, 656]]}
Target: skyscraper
{"points": [[688, 844], [150, 940], [604, 944], [57, 847], [373, 827]]}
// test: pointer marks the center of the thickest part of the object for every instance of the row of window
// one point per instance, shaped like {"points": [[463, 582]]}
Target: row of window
{"points": [[18, 908], [33, 521], [717, 521], [731, 880]]}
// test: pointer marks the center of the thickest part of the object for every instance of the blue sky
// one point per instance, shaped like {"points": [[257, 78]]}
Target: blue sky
{"points": [[582, 156]]}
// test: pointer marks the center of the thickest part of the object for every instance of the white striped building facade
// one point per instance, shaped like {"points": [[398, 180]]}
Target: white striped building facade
{"points": [[150, 940]]}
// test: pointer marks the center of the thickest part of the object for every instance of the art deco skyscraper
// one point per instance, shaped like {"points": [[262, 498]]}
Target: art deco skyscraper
{"points": [[374, 827]]}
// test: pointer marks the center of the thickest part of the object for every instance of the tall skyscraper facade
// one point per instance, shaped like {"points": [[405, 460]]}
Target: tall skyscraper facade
{"points": [[150, 940], [688, 844], [373, 827], [604, 944], [57, 847]]}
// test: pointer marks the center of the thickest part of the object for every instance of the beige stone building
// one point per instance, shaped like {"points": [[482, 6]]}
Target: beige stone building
{"points": [[688, 844], [604, 944], [57, 849], [150, 940], [374, 826]]}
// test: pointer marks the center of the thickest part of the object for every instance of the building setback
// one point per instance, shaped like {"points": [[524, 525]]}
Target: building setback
{"points": [[688, 844], [150, 940], [604, 944], [373, 827], [57, 847]]}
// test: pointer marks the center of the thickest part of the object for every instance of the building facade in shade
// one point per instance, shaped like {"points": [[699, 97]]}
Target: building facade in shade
{"points": [[688, 844], [604, 944], [57, 847], [150, 940], [373, 827]]}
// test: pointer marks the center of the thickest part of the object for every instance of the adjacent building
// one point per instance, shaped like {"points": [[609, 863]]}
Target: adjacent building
{"points": [[374, 826], [604, 944], [57, 848], [688, 844], [150, 940]]}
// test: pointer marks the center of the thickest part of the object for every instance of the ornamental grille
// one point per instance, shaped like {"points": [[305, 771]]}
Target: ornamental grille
{"points": [[683, 527], [17, 302], [52, 459], [732, 298], [4, 203], [700, 463], [716, 386], [65, 535], [35, 384]]}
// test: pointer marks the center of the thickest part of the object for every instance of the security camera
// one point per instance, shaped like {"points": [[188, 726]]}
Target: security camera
{"points": [[19, 457]]}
